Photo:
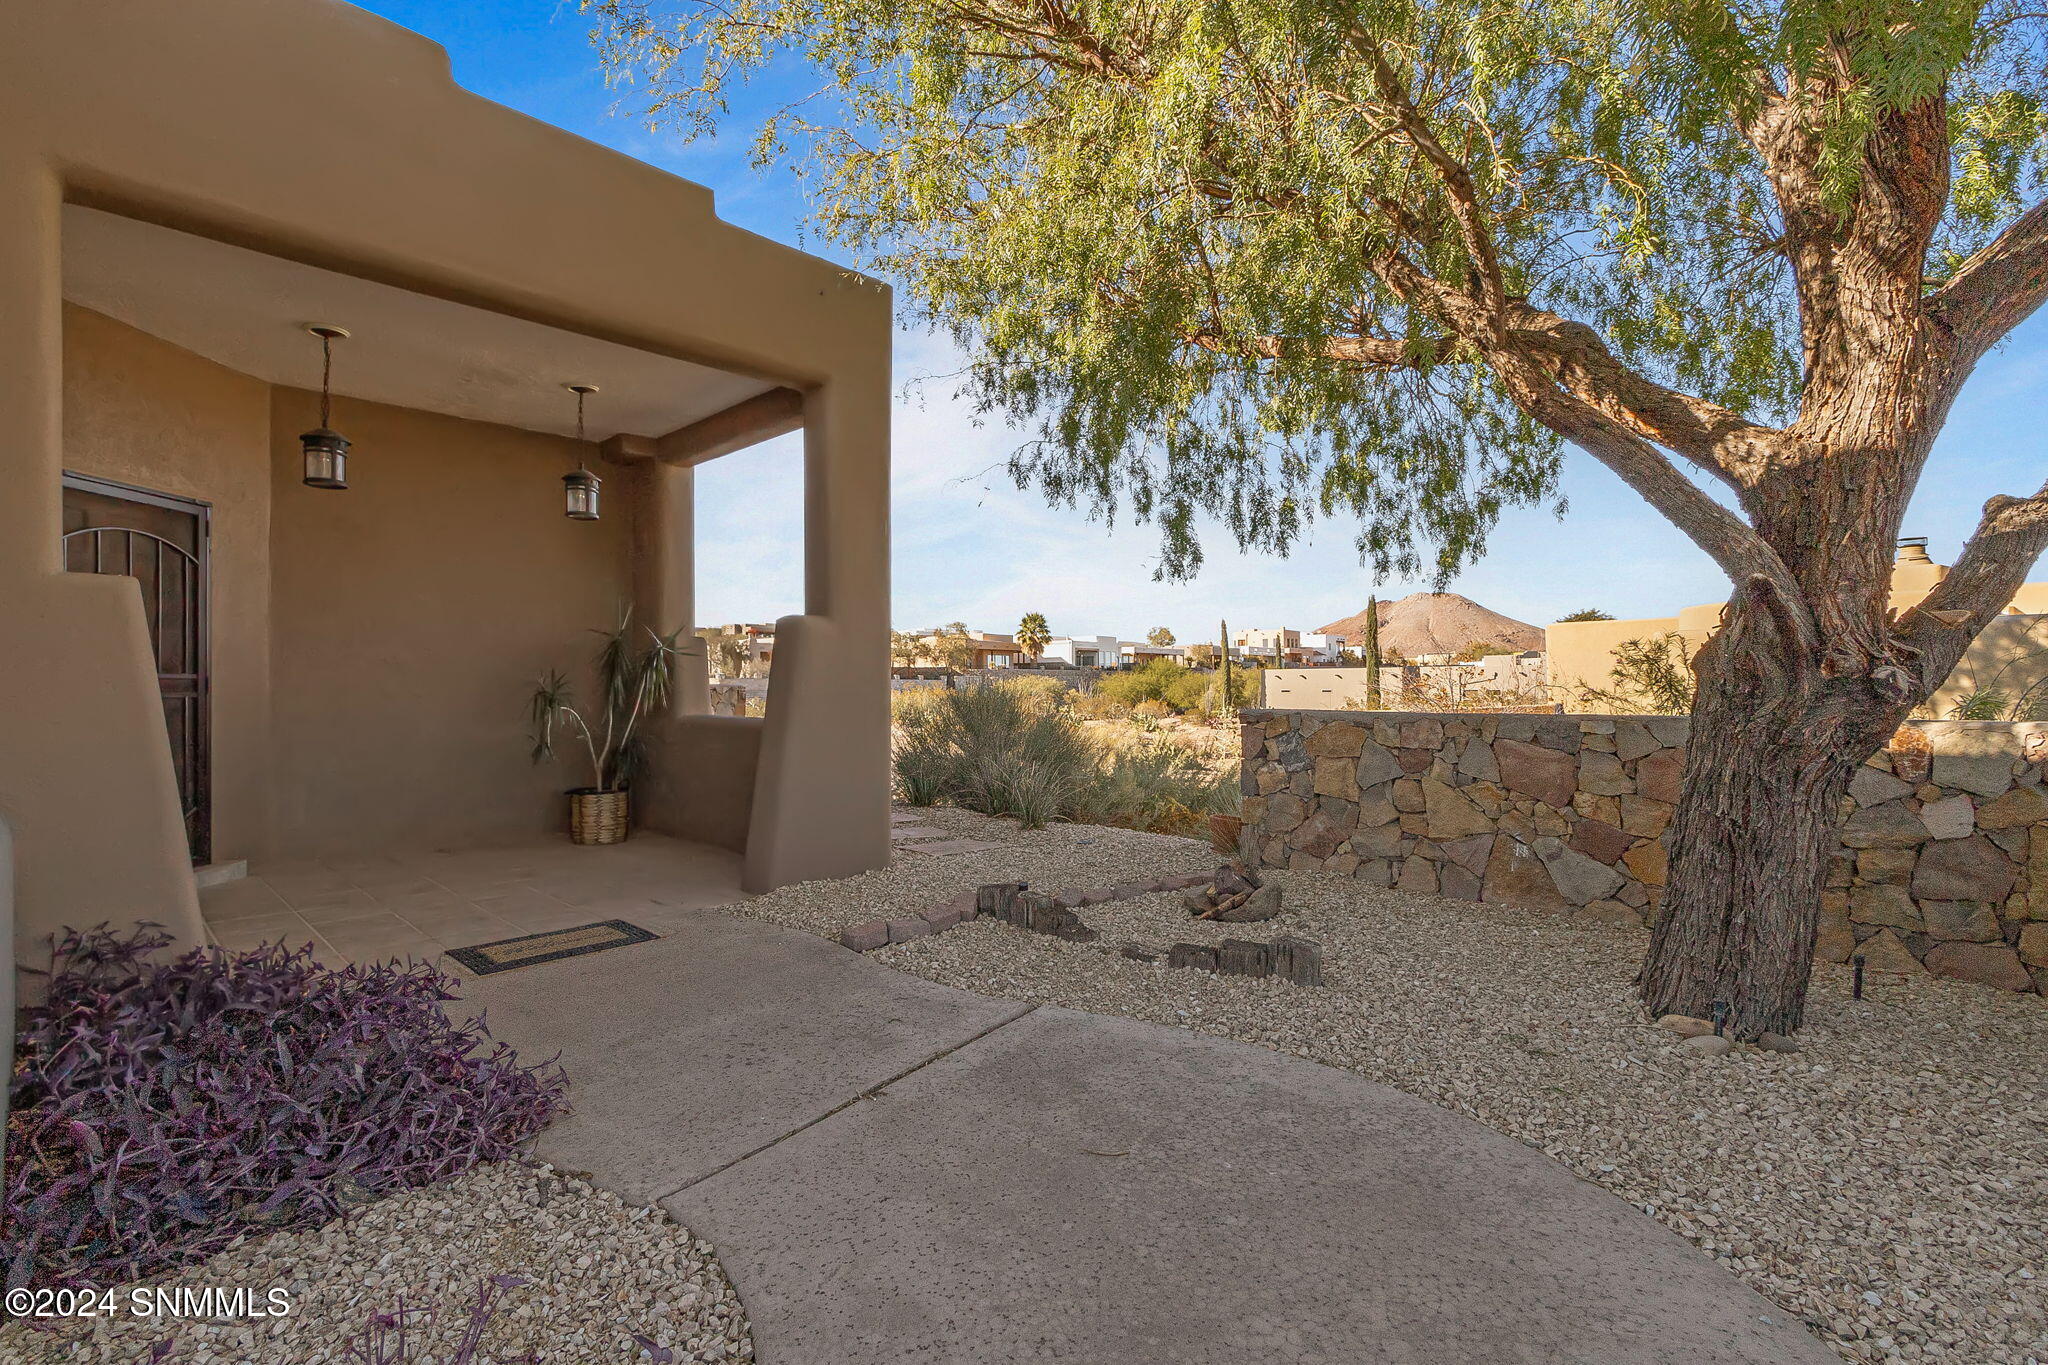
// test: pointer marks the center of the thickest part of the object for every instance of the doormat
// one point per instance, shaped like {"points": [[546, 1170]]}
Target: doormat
{"points": [[507, 953]]}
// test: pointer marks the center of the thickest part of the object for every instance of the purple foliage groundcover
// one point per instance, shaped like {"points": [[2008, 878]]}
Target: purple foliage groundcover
{"points": [[161, 1108]]}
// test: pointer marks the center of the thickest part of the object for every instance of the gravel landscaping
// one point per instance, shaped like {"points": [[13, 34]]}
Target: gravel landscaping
{"points": [[597, 1275], [1888, 1183]]}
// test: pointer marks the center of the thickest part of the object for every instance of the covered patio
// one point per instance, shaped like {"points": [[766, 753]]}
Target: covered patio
{"points": [[224, 662]]}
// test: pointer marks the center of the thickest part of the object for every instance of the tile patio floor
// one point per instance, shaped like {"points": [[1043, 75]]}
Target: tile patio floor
{"points": [[420, 904]]}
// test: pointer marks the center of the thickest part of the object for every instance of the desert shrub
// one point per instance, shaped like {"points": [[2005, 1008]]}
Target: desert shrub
{"points": [[1005, 750], [1097, 706], [1148, 682], [1177, 688], [1038, 687], [1152, 710], [161, 1108], [1158, 785]]}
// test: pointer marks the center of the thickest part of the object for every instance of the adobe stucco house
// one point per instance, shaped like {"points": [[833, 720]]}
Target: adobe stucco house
{"points": [[183, 190]]}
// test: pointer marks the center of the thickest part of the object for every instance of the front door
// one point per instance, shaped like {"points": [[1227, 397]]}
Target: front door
{"points": [[160, 541]]}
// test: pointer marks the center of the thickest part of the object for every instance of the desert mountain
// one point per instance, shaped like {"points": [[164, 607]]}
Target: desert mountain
{"points": [[1437, 623]]}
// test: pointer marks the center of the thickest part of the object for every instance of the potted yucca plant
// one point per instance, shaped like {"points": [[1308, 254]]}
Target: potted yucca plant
{"points": [[635, 677]]}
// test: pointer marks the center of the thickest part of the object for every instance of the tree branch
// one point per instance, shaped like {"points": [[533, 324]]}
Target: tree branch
{"points": [[1999, 287], [2009, 538]]}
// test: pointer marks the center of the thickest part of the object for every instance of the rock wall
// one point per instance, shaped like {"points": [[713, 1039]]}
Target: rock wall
{"points": [[1943, 864]]}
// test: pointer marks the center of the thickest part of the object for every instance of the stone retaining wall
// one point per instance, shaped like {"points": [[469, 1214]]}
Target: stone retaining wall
{"points": [[1943, 864]]}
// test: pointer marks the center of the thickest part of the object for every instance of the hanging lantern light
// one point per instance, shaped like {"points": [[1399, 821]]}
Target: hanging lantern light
{"points": [[579, 489], [325, 449]]}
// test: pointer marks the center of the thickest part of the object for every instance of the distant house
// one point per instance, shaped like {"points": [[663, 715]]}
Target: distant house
{"points": [[1084, 651], [1296, 647], [1144, 651], [760, 638], [990, 649]]}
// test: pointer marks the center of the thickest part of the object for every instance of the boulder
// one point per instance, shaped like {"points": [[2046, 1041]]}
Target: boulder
{"points": [[1872, 787], [1887, 826], [1516, 876], [1685, 1025], [1318, 836], [1376, 764], [1649, 862], [1885, 904], [1336, 740], [1336, 777], [1451, 815], [1457, 882], [1708, 1045], [2019, 807], [1984, 774], [1546, 774], [1991, 964], [1477, 762], [1952, 817], [1602, 775], [1262, 904], [1284, 810], [1469, 853], [1645, 817], [1964, 921], [1885, 864], [1884, 951], [1657, 775], [1578, 878], [1971, 869], [1632, 739], [1417, 874]]}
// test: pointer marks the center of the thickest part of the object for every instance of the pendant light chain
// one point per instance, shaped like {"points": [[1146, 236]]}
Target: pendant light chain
{"points": [[326, 375]]}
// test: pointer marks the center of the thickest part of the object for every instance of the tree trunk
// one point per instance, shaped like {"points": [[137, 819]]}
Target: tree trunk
{"points": [[1768, 762]]}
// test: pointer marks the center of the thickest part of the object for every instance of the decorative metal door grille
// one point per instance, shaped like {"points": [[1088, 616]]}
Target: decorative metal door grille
{"points": [[173, 582]]}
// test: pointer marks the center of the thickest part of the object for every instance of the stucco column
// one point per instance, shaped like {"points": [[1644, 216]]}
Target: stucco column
{"points": [[31, 369], [821, 801], [86, 785], [665, 572]]}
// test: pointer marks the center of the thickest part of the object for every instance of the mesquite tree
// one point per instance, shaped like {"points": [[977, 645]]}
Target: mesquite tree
{"points": [[1265, 259]]}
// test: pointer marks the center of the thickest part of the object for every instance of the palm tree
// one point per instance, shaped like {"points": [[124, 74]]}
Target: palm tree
{"points": [[1033, 635]]}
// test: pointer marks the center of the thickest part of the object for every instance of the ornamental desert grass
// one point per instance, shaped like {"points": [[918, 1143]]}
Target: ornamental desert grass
{"points": [[160, 1108], [1005, 749]]}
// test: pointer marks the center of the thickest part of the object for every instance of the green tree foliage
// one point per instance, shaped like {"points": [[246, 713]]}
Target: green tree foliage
{"points": [[952, 647], [1268, 259], [905, 648], [1033, 635], [1177, 688], [1589, 614], [1159, 635]]}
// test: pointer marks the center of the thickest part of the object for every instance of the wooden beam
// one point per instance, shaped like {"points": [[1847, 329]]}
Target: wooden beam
{"points": [[774, 413]]}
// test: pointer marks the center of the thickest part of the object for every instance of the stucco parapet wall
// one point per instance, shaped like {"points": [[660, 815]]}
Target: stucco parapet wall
{"points": [[1942, 864]]}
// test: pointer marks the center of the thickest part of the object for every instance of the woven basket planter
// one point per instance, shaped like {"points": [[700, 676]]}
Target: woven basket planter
{"points": [[597, 817]]}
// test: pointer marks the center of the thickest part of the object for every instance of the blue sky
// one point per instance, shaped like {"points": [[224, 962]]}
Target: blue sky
{"points": [[970, 546]]}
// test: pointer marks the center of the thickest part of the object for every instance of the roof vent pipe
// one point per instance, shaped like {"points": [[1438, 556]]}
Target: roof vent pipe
{"points": [[1913, 550]]}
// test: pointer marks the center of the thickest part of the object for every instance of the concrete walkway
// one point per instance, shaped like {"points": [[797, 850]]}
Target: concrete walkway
{"points": [[894, 1170]]}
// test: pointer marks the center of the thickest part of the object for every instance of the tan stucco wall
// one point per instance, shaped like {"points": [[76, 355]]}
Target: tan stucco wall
{"points": [[410, 617], [143, 412]]}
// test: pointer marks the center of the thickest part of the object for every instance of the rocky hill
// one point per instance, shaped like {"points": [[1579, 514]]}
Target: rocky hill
{"points": [[1438, 623]]}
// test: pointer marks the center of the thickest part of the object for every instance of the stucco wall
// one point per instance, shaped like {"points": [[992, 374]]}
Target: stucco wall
{"points": [[1942, 867], [143, 412], [410, 616]]}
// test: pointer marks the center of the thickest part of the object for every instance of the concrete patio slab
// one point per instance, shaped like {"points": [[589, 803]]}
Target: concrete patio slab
{"points": [[690, 1053], [1077, 1187]]}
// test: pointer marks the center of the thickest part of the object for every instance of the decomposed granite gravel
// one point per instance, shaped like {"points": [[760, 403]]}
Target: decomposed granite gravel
{"points": [[1888, 1182], [597, 1273]]}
